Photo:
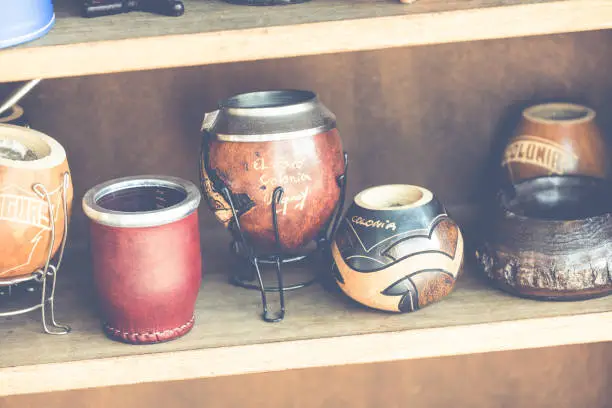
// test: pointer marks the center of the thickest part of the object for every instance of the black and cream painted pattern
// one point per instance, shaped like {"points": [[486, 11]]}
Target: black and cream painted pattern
{"points": [[398, 258]]}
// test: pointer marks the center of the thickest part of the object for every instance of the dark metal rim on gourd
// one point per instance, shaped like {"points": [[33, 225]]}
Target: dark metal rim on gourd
{"points": [[269, 116]]}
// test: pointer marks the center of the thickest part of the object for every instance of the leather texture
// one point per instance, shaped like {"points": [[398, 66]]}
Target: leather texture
{"points": [[147, 279]]}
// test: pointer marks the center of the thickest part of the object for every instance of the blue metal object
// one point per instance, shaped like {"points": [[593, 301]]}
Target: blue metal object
{"points": [[24, 20]]}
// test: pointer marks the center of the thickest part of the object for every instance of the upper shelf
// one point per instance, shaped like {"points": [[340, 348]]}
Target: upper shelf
{"points": [[212, 31]]}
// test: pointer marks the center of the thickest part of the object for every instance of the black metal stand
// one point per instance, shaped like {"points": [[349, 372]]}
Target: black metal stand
{"points": [[244, 250]]}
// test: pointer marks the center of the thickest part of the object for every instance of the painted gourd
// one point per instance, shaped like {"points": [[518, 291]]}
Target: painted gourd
{"points": [[397, 249]]}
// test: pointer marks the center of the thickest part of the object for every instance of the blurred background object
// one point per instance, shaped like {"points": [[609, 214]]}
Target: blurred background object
{"points": [[24, 20]]}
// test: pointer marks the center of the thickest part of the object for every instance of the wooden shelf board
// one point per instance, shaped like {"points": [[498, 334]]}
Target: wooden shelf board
{"points": [[217, 32], [322, 328]]}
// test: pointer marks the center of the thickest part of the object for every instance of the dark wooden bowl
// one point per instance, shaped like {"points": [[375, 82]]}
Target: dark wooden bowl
{"points": [[551, 238]]}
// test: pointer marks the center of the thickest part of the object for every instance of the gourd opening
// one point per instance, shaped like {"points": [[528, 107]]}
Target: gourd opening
{"points": [[268, 99], [393, 197], [559, 113], [141, 199], [23, 146]]}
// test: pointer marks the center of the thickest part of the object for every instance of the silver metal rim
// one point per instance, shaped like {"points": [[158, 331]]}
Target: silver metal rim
{"points": [[303, 99], [142, 219], [291, 113], [273, 137]]}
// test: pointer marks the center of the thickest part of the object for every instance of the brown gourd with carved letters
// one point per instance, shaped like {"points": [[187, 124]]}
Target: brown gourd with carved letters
{"points": [[259, 141], [556, 139]]}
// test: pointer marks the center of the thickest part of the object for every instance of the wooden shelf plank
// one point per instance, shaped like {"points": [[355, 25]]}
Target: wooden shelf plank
{"points": [[322, 328], [216, 32]]}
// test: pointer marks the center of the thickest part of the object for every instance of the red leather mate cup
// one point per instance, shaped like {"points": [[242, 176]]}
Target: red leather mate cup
{"points": [[145, 246]]}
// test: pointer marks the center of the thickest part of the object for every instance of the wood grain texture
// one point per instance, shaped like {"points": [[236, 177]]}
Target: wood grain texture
{"points": [[326, 328], [454, 102], [215, 32], [561, 377], [392, 106], [550, 239]]}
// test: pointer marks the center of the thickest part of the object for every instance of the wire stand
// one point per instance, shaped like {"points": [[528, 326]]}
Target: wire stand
{"points": [[243, 249], [47, 276]]}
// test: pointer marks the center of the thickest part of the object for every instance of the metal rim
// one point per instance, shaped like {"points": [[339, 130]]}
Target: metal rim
{"points": [[545, 113], [278, 99], [273, 137], [274, 103], [141, 219]]}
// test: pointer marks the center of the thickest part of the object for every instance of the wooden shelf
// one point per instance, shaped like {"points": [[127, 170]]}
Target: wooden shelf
{"points": [[322, 328], [216, 32]]}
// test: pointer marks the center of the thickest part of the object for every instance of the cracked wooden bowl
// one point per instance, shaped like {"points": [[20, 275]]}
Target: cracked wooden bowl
{"points": [[551, 238]]}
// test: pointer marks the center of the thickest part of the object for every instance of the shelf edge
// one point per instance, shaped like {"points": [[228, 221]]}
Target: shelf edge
{"points": [[300, 354], [315, 38]]}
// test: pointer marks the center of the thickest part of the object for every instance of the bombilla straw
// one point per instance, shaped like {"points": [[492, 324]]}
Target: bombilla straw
{"points": [[18, 95]]}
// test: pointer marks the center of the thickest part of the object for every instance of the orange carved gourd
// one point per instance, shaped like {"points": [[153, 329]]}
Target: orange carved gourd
{"points": [[27, 222]]}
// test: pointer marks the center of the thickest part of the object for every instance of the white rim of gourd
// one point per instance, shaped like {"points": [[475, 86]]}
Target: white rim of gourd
{"points": [[538, 113], [387, 197], [54, 153]]}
